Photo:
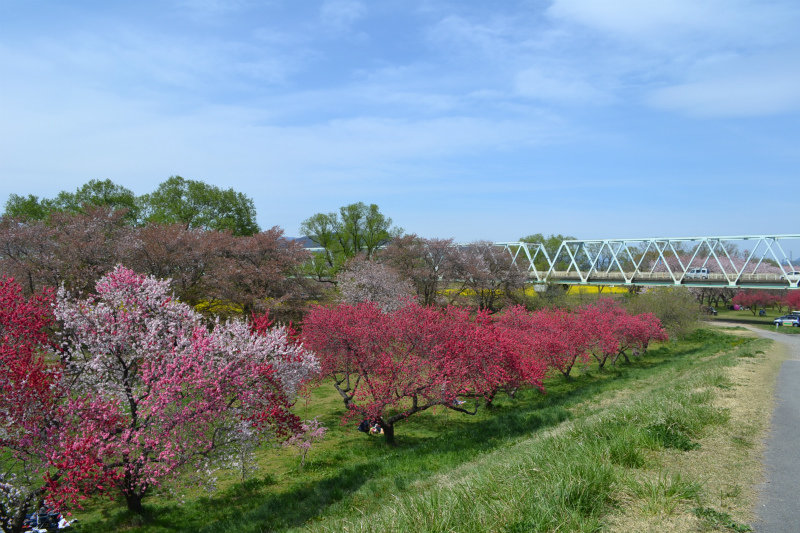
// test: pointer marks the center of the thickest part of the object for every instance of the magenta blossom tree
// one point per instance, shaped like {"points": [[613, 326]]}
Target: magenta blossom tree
{"points": [[155, 393], [29, 392]]}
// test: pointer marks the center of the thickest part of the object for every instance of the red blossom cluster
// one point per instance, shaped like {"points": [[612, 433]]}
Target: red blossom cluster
{"points": [[388, 366]]}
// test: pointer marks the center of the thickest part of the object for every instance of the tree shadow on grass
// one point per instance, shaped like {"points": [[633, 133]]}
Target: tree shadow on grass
{"points": [[298, 505]]}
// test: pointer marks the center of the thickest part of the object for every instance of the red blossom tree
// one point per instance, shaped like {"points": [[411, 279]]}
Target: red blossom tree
{"points": [[793, 299], [753, 299], [29, 378], [389, 366], [600, 322], [613, 332], [553, 336]]}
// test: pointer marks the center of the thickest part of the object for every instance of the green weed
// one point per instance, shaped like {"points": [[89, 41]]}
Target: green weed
{"points": [[719, 519]]}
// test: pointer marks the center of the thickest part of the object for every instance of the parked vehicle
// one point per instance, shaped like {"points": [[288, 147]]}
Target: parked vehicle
{"points": [[788, 320], [698, 273]]}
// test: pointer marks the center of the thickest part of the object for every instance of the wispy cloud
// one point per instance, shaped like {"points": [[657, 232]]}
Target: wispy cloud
{"points": [[684, 24], [341, 15], [736, 87]]}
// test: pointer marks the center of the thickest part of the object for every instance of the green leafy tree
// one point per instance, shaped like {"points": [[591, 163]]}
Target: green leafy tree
{"points": [[356, 229], [27, 207], [551, 245], [675, 307], [93, 194], [97, 193], [196, 204]]}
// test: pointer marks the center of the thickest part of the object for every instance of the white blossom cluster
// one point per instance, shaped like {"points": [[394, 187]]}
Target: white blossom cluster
{"points": [[368, 281], [11, 496]]}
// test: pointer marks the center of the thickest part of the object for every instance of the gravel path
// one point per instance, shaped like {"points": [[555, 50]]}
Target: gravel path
{"points": [[779, 501]]}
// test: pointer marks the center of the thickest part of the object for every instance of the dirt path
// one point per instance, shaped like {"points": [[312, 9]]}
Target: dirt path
{"points": [[778, 508]]}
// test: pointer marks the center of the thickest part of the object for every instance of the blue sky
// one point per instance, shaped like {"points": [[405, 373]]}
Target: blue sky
{"points": [[463, 119]]}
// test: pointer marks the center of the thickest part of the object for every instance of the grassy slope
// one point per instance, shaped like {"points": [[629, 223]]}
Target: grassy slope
{"points": [[599, 450]]}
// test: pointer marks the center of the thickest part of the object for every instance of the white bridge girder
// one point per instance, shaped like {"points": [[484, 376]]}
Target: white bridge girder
{"points": [[762, 263]]}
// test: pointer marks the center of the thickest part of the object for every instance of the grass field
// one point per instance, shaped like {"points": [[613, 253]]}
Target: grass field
{"points": [[626, 449], [726, 316]]}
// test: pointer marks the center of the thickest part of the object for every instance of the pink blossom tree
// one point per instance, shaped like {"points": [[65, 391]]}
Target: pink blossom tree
{"points": [[156, 393], [310, 431]]}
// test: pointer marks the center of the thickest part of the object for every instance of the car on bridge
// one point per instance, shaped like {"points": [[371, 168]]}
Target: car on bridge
{"points": [[697, 273], [791, 276], [788, 320]]}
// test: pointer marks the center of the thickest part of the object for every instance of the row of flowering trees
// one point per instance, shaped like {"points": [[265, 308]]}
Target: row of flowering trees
{"points": [[761, 299], [388, 365], [135, 391]]}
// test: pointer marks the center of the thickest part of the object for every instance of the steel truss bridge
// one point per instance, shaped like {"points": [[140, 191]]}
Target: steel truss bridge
{"points": [[749, 261]]}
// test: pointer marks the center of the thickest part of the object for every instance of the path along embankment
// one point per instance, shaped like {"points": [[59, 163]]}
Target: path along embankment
{"points": [[778, 508]]}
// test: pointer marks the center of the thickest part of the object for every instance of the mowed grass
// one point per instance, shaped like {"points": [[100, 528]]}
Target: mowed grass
{"points": [[592, 453], [726, 316]]}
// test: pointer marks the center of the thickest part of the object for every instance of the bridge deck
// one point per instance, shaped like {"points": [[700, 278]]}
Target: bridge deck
{"points": [[714, 280]]}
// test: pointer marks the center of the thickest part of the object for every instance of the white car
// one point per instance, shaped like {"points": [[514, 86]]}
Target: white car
{"points": [[697, 273], [794, 275]]}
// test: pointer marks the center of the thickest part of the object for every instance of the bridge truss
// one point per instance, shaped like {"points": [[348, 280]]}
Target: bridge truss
{"points": [[750, 261]]}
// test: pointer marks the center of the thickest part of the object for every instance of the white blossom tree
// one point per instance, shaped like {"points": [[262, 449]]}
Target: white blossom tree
{"points": [[363, 280], [156, 392]]}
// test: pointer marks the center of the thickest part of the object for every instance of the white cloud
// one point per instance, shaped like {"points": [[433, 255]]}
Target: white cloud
{"points": [[684, 24], [736, 87], [130, 62]]}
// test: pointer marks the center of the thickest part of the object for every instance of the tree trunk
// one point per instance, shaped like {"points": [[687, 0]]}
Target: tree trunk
{"points": [[134, 502], [388, 434], [490, 399], [18, 519]]}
